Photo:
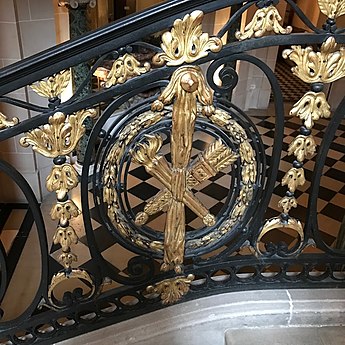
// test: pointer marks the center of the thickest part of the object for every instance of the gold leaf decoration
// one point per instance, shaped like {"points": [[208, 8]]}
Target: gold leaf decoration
{"points": [[325, 66], [287, 203], [5, 123], [332, 8], [186, 42], [61, 277], [67, 259], [311, 107], [64, 211], [61, 179], [294, 178], [65, 237], [172, 290], [278, 223], [54, 86], [124, 68], [60, 136], [302, 147], [265, 20]]}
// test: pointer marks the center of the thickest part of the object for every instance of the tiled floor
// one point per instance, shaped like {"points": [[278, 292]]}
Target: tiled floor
{"points": [[292, 87], [141, 187]]}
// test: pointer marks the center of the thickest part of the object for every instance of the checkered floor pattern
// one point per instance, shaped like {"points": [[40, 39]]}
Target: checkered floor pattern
{"points": [[213, 193], [292, 87]]}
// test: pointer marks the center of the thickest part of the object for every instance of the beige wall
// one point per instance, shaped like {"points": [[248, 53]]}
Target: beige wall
{"points": [[26, 27]]}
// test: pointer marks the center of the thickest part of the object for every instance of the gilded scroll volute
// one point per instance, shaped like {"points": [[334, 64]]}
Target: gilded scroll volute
{"points": [[265, 20], [124, 68], [186, 42], [60, 136], [6, 123], [172, 290], [325, 66], [53, 86]]}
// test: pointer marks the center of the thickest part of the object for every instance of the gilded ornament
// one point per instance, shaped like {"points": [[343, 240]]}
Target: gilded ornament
{"points": [[332, 8], [67, 259], [64, 211], [311, 107], [65, 237], [76, 3], [277, 223], [172, 290], [294, 178], [287, 203], [215, 158], [61, 179], [124, 68], [5, 123], [265, 20], [61, 277], [60, 136], [186, 42], [54, 86], [302, 147], [187, 85], [325, 66]]}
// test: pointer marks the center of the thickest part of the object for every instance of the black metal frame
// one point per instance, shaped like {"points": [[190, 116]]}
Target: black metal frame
{"points": [[116, 39]]}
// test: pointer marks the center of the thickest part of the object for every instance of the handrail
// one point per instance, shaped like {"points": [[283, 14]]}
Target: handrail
{"points": [[101, 41]]}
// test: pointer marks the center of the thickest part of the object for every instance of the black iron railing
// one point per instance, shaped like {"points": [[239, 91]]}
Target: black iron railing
{"points": [[164, 133]]}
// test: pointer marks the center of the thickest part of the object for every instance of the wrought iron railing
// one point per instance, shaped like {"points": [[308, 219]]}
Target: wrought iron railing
{"points": [[227, 251]]}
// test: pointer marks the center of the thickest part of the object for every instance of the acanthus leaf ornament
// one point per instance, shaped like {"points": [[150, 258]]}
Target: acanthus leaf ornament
{"points": [[311, 107], [325, 66], [294, 178], [265, 20], [302, 147], [124, 68], [53, 86], [186, 42], [67, 259], [61, 179], [6, 123], [65, 237], [332, 8], [172, 290], [64, 211], [60, 136], [287, 203]]}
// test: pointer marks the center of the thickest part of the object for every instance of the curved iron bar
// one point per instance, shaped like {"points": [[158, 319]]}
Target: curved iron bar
{"points": [[94, 251], [102, 42], [43, 244], [311, 217], [109, 38], [164, 72], [4, 272], [234, 17], [303, 17]]}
